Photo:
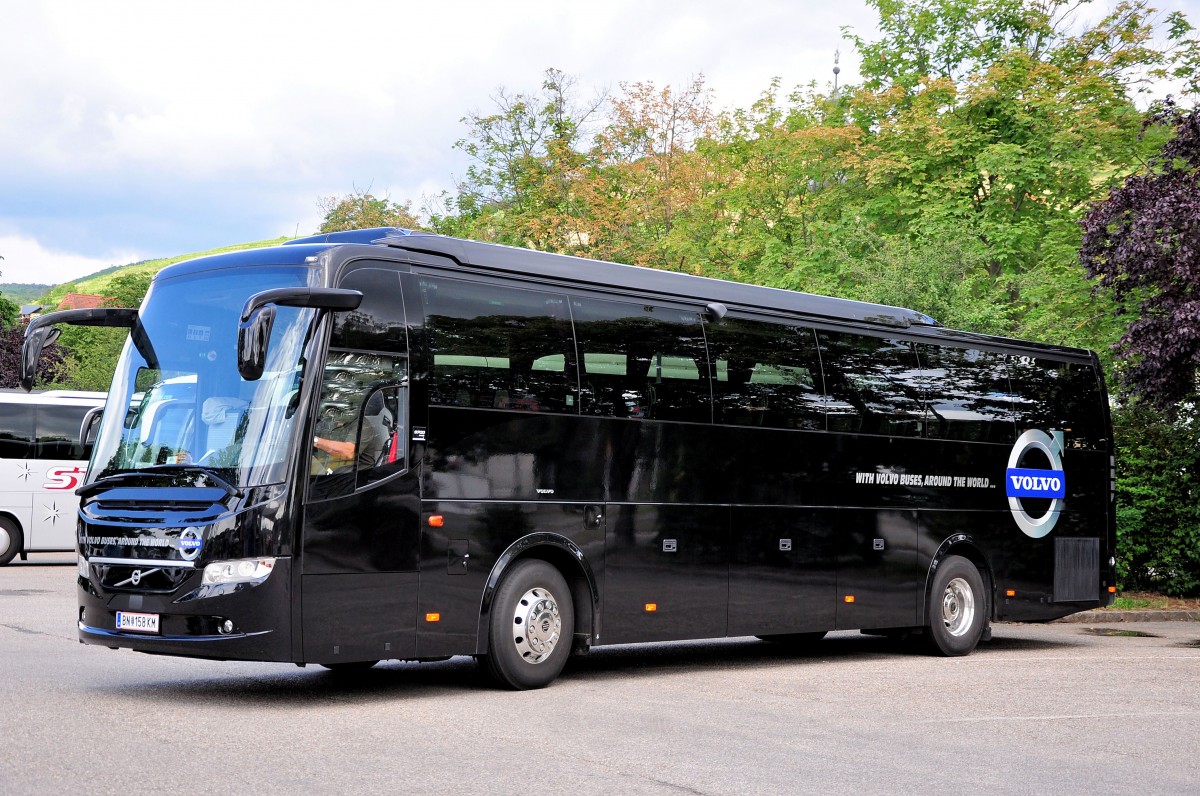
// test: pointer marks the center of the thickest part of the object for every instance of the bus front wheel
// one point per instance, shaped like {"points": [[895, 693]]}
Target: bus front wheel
{"points": [[532, 625], [957, 608], [11, 540]]}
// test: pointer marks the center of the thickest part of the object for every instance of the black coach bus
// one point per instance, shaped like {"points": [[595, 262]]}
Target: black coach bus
{"points": [[385, 444]]}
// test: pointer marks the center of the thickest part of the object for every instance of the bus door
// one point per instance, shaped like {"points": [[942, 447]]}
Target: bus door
{"points": [[359, 541]]}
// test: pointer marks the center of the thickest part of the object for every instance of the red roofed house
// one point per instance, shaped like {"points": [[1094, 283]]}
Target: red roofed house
{"points": [[81, 301]]}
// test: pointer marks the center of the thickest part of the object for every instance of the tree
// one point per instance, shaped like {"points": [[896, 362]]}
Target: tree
{"points": [[526, 160], [1143, 244], [1158, 500], [127, 290], [362, 210], [8, 310], [645, 174]]}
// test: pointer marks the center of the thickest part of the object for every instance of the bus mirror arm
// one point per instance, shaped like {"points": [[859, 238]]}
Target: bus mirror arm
{"points": [[42, 332], [258, 316]]}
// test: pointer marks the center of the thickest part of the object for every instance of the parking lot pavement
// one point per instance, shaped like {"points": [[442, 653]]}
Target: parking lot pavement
{"points": [[1059, 708]]}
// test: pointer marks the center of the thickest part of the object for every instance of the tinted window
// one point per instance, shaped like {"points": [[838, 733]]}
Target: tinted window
{"points": [[16, 430], [967, 394], [874, 385], [641, 361], [767, 374], [497, 347], [359, 421], [58, 432], [1059, 395], [378, 323]]}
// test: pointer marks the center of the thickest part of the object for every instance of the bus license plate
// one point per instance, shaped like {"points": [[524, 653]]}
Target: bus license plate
{"points": [[138, 623]]}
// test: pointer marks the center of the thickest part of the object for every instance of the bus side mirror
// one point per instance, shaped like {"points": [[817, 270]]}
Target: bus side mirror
{"points": [[41, 332], [253, 335], [36, 338], [258, 316]]}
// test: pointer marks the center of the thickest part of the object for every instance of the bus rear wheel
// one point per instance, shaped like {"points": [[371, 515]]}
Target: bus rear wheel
{"points": [[11, 540], [957, 608], [532, 625]]}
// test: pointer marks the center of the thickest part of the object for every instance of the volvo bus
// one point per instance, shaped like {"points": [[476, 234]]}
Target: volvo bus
{"points": [[385, 444], [42, 461]]}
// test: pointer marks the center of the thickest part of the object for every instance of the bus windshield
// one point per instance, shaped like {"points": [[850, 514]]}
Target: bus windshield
{"points": [[189, 405]]}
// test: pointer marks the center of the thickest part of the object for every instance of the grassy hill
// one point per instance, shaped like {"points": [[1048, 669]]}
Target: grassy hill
{"points": [[97, 282]]}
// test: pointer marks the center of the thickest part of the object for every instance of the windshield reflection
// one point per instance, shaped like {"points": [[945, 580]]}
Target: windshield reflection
{"points": [[191, 408]]}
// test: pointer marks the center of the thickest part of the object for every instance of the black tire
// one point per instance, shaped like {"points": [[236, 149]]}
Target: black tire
{"points": [[795, 641], [11, 540], [958, 608], [532, 626]]}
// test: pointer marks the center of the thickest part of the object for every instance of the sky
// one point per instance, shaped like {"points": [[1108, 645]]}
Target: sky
{"points": [[136, 130]]}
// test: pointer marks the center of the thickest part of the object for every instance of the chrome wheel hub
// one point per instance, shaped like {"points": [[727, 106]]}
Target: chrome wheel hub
{"points": [[537, 625], [958, 607]]}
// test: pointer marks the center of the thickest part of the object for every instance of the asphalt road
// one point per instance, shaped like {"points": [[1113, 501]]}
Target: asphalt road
{"points": [[1040, 709]]}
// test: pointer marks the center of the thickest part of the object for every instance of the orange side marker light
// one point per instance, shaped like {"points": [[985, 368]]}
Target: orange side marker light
{"points": [[433, 617], [1112, 589], [651, 607], [849, 598], [436, 520], [1010, 593]]}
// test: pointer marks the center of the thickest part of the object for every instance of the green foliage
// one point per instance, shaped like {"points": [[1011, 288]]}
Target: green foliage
{"points": [[127, 290], [24, 292], [8, 312], [1158, 501], [92, 354], [941, 273], [362, 210]]}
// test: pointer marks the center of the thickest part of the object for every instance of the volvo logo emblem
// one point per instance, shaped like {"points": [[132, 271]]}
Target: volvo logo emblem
{"points": [[135, 578], [1051, 484], [190, 542]]}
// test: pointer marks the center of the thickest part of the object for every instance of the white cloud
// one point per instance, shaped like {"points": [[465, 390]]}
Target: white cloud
{"points": [[28, 261], [174, 127]]}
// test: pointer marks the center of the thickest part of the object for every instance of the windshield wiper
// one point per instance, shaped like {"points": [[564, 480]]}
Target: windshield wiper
{"points": [[117, 478]]}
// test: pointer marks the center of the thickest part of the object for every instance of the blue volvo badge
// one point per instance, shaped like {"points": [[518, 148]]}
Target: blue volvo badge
{"points": [[190, 542], [1022, 482]]}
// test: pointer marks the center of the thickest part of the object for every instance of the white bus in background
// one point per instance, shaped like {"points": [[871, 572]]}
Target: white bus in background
{"points": [[42, 461]]}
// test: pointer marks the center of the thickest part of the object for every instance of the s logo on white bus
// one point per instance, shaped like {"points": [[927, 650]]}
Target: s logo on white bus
{"points": [[63, 477], [1051, 484]]}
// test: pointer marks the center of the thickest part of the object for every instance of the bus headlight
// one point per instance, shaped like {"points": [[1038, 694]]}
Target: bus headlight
{"points": [[83, 568], [242, 570]]}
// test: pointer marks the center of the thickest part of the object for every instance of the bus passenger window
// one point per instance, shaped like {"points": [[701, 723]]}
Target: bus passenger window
{"points": [[496, 347], [767, 374], [16, 431], [642, 361], [58, 432], [967, 394], [1065, 396], [874, 385]]}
